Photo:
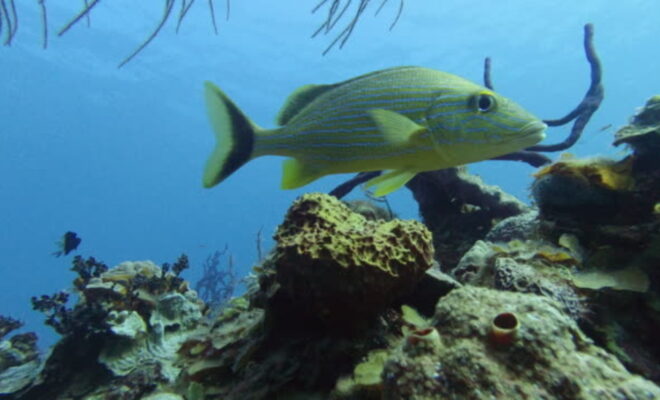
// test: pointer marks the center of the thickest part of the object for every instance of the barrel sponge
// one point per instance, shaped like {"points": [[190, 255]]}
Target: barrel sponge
{"points": [[336, 261]]}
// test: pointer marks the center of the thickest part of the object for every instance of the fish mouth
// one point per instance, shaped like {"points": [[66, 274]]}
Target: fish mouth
{"points": [[534, 129]]}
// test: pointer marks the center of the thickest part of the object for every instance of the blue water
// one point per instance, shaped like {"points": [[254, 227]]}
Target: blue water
{"points": [[117, 154]]}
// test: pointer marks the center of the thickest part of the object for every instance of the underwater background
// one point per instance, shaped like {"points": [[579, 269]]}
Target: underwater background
{"points": [[117, 155]]}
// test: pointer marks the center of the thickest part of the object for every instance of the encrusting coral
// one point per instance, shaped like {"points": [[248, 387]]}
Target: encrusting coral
{"points": [[526, 266], [549, 357]]}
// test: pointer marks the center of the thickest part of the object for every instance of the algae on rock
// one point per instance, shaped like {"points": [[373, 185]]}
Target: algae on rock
{"points": [[550, 357]]}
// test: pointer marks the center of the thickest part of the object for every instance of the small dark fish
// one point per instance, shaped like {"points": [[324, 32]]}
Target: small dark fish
{"points": [[69, 242], [606, 127]]}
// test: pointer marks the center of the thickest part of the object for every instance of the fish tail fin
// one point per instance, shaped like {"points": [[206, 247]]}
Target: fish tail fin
{"points": [[235, 135]]}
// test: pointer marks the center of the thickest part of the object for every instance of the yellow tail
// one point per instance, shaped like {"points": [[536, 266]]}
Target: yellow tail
{"points": [[235, 135]]}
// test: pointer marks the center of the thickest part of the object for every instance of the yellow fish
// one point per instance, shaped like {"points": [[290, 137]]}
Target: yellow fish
{"points": [[402, 120]]}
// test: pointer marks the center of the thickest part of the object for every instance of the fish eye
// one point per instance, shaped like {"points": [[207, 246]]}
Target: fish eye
{"points": [[484, 102]]}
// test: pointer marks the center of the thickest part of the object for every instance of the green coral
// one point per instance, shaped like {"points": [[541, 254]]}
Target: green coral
{"points": [[339, 264], [366, 378]]}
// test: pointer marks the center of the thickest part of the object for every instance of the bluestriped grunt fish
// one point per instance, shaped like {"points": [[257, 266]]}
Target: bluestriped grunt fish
{"points": [[402, 120]]}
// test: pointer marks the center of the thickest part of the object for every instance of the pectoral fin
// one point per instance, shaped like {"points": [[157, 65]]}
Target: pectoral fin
{"points": [[395, 127], [390, 181]]}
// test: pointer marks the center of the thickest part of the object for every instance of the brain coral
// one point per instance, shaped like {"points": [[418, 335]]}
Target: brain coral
{"points": [[337, 265]]}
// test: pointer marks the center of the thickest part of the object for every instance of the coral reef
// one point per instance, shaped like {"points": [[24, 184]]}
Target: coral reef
{"points": [[321, 303], [588, 190], [604, 191], [120, 338], [558, 301]]}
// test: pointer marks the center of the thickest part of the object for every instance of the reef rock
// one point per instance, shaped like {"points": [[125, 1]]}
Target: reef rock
{"points": [[612, 209], [518, 227], [459, 209], [547, 356], [171, 323], [531, 266], [337, 266], [585, 191], [19, 357], [643, 132]]}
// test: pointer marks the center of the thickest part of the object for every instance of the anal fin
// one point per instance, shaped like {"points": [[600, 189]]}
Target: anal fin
{"points": [[297, 173]]}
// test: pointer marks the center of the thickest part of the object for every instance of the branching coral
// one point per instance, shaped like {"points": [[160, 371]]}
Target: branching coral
{"points": [[87, 269], [65, 320], [217, 283]]}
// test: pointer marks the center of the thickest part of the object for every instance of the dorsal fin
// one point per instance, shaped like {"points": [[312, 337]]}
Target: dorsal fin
{"points": [[299, 99], [307, 93]]}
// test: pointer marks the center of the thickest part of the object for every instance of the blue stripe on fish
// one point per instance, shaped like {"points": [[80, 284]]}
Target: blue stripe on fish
{"points": [[404, 119]]}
